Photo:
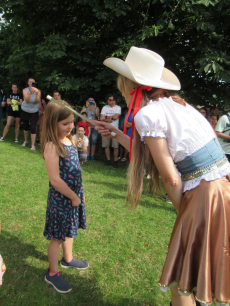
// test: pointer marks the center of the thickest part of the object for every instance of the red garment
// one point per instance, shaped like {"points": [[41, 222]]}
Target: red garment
{"points": [[85, 125]]}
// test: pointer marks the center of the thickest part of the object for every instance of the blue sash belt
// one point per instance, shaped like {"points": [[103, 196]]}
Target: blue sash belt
{"points": [[205, 160]]}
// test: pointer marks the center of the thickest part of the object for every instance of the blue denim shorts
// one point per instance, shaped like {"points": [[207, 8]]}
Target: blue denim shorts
{"points": [[93, 135]]}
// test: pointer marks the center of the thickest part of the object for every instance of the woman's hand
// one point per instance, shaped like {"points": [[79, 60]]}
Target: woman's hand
{"points": [[34, 89], [105, 128], [76, 201]]}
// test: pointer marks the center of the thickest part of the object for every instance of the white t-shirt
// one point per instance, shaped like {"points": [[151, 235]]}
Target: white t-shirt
{"points": [[85, 141], [185, 130], [222, 125], [110, 111]]}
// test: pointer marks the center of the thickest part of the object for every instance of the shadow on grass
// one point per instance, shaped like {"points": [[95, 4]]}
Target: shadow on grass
{"points": [[23, 282]]}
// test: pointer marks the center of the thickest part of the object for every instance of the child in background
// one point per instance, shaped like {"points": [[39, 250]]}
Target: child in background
{"points": [[65, 204], [82, 143], [2, 269], [86, 125]]}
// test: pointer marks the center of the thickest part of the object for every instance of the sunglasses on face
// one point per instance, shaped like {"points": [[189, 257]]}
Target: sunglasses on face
{"points": [[110, 100]]}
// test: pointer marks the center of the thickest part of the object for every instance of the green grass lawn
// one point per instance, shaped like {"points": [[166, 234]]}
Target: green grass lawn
{"points": [[126, 250]]}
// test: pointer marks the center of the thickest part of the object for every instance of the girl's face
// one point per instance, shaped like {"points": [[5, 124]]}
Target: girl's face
{"points": [[65, 126], [14, 88]]}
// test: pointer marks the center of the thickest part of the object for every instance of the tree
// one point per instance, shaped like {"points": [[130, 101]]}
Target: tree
{"points": [[63, 43]]}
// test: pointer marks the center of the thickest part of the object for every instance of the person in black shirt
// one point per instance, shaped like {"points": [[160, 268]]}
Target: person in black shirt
{"points": [[14, 101]]}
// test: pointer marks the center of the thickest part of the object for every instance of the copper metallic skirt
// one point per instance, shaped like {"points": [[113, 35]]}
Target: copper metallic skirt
{"points": [[198, 256]]}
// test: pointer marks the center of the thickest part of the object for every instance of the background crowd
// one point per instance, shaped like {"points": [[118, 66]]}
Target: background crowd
{"points": [[26, 111]]}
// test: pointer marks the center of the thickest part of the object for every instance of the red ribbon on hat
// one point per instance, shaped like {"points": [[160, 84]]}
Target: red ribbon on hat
{"points": [[137, 94]]}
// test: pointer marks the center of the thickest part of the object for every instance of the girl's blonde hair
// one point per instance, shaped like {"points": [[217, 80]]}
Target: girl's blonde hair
{"points": [[140, 152], [53, 114]]}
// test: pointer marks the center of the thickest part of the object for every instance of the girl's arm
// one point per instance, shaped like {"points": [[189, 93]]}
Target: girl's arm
{"points": [[170, 176], [9, 101], [19, 102], [89, 131], [105, 130], [52, 165]]}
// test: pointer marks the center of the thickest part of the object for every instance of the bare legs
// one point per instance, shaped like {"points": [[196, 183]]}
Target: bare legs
{"points": [[107, 153], [115, 154], [17, 126], [26, 133], [53, 255], [93, 148], [8, 124], [54, 252], [33, 138], [179, 300]]}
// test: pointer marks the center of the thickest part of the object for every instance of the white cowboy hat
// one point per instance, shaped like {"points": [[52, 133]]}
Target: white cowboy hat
{"points": [[144, 67]]}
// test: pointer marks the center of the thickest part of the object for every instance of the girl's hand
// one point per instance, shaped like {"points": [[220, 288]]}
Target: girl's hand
{"points": [[76, 201], [87, 104]]}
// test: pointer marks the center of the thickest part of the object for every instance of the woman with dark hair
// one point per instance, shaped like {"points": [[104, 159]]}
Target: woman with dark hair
{"points": [[178, 139], [203, 112], [29, 112], [14, 102]]}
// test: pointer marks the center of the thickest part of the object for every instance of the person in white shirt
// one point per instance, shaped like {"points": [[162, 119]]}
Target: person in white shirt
{"points": [[110, 113], [175, 138], [223, 133], [82, 143]]}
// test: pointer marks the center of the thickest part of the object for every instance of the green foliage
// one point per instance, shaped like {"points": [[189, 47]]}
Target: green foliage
{"points": [[63, 44]]}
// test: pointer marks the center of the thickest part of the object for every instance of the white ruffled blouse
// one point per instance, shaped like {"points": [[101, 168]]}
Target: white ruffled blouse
{"points": [[185, 130]]}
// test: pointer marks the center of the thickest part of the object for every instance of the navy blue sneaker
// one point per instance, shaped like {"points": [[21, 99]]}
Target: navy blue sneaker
{"points": [[77, 264], [58, 282], [92, 158]]}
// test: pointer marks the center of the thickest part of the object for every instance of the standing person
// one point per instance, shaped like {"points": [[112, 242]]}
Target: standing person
{"points": [[2, 106], [213, 121], [42, 107], [65, 212], [14, 102], [176, 134], [82, 143], [29, 112], [204, 112], [213, 111], [123, 152], [223, 133], [110, 113], [86, 125], [93, 113], [56, 95]]}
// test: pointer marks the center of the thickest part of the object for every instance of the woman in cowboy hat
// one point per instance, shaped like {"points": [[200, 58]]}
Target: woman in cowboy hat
{"points": [[184, 151]]}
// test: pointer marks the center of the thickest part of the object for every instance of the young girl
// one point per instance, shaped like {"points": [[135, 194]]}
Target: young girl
{"points": [[65, 204]]}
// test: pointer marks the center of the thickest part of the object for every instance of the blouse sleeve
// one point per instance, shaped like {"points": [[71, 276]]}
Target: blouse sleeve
{"points": [[150, 121]]}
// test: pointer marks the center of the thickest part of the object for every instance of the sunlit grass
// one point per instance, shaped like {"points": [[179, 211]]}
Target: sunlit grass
{"points": [[126, 250]]}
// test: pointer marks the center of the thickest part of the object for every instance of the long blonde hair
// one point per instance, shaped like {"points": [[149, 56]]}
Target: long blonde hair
{"points": [[53, 114], [140, 152]]}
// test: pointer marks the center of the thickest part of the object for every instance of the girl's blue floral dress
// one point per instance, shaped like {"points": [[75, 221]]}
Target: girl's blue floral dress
{"points": [[63, 220]]}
